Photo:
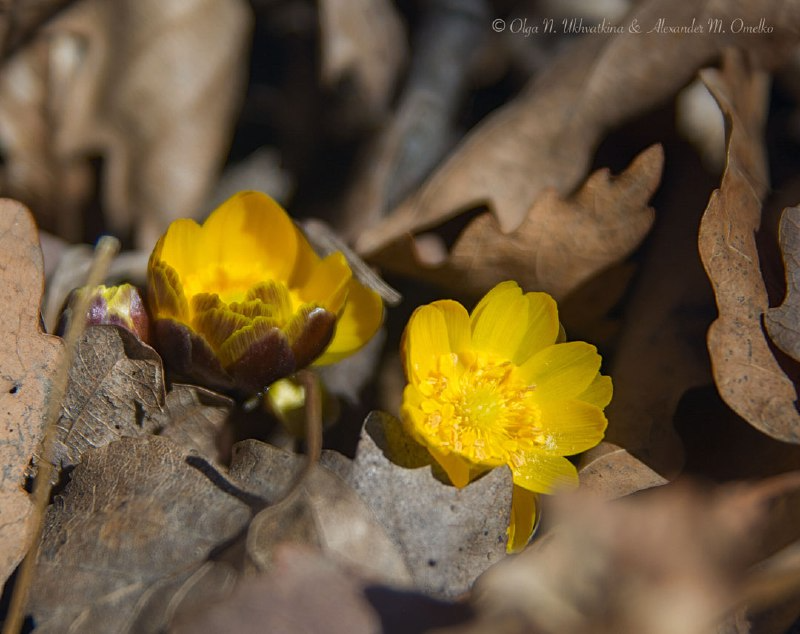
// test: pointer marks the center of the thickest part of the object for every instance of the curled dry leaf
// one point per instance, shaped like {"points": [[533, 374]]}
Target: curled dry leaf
{"points": [[672, 560], [561, 242], [28, 359], [115, 389], [746, 373], [783, 322], [546, 137], [610, 472], [150, 86], [447, 536], [325, 512], [132, 534], [362, 41]]}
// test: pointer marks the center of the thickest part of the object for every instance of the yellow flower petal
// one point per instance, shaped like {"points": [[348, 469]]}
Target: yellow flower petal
{"points": [[456, 467], [358, 322], [328, 283], [180, 246], [457, 322], [513, 325], [250, 229], [599, 392], [524, 513], [543, 473], [570, 427], [561, 371], [426, 339]]}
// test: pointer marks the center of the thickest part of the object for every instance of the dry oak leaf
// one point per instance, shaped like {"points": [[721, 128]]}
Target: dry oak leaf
{"points": [[783, 322], [546, 136], [28, 360], [129, 540], [746, 373], [561, 243], [115, 389], [153, 87], [447, 536], [325, 512]]}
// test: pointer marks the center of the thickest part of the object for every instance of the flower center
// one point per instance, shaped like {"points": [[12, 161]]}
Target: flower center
{"points": [[477, 405], [231, 282]]}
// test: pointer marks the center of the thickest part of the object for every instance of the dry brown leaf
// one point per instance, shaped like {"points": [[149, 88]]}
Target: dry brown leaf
{"points": [[746, 372], [56, 186], [546, 137], [326, 513], [303, 593], [672, 560], [447, 536], [660, 350], [560, 243], [115, 389], [448, 39], [128, 542], [150, 86], [28, 359], [610, 472], [362, 41], [783, 322], [194, 418]]}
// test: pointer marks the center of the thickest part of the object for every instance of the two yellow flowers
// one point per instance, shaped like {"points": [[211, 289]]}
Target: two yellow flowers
{"points": [[243, 300]]}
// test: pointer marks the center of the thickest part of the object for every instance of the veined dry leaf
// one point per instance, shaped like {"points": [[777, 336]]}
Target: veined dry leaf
{"points": [[747, 375], [610, 472], [546, 137], [783, 322], [128, 541], [28, 359], [325, 512], [672, 560], [150, 86], [362, 41], [447, 536], [115, 389], [560, 243]]}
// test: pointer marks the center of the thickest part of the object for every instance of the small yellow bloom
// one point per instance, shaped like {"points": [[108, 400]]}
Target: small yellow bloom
{"points": [[243, 300], [497, 388]]}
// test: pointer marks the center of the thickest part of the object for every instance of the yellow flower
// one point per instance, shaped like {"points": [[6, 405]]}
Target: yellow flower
{"points": [[497, 388], [243, 300]]}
